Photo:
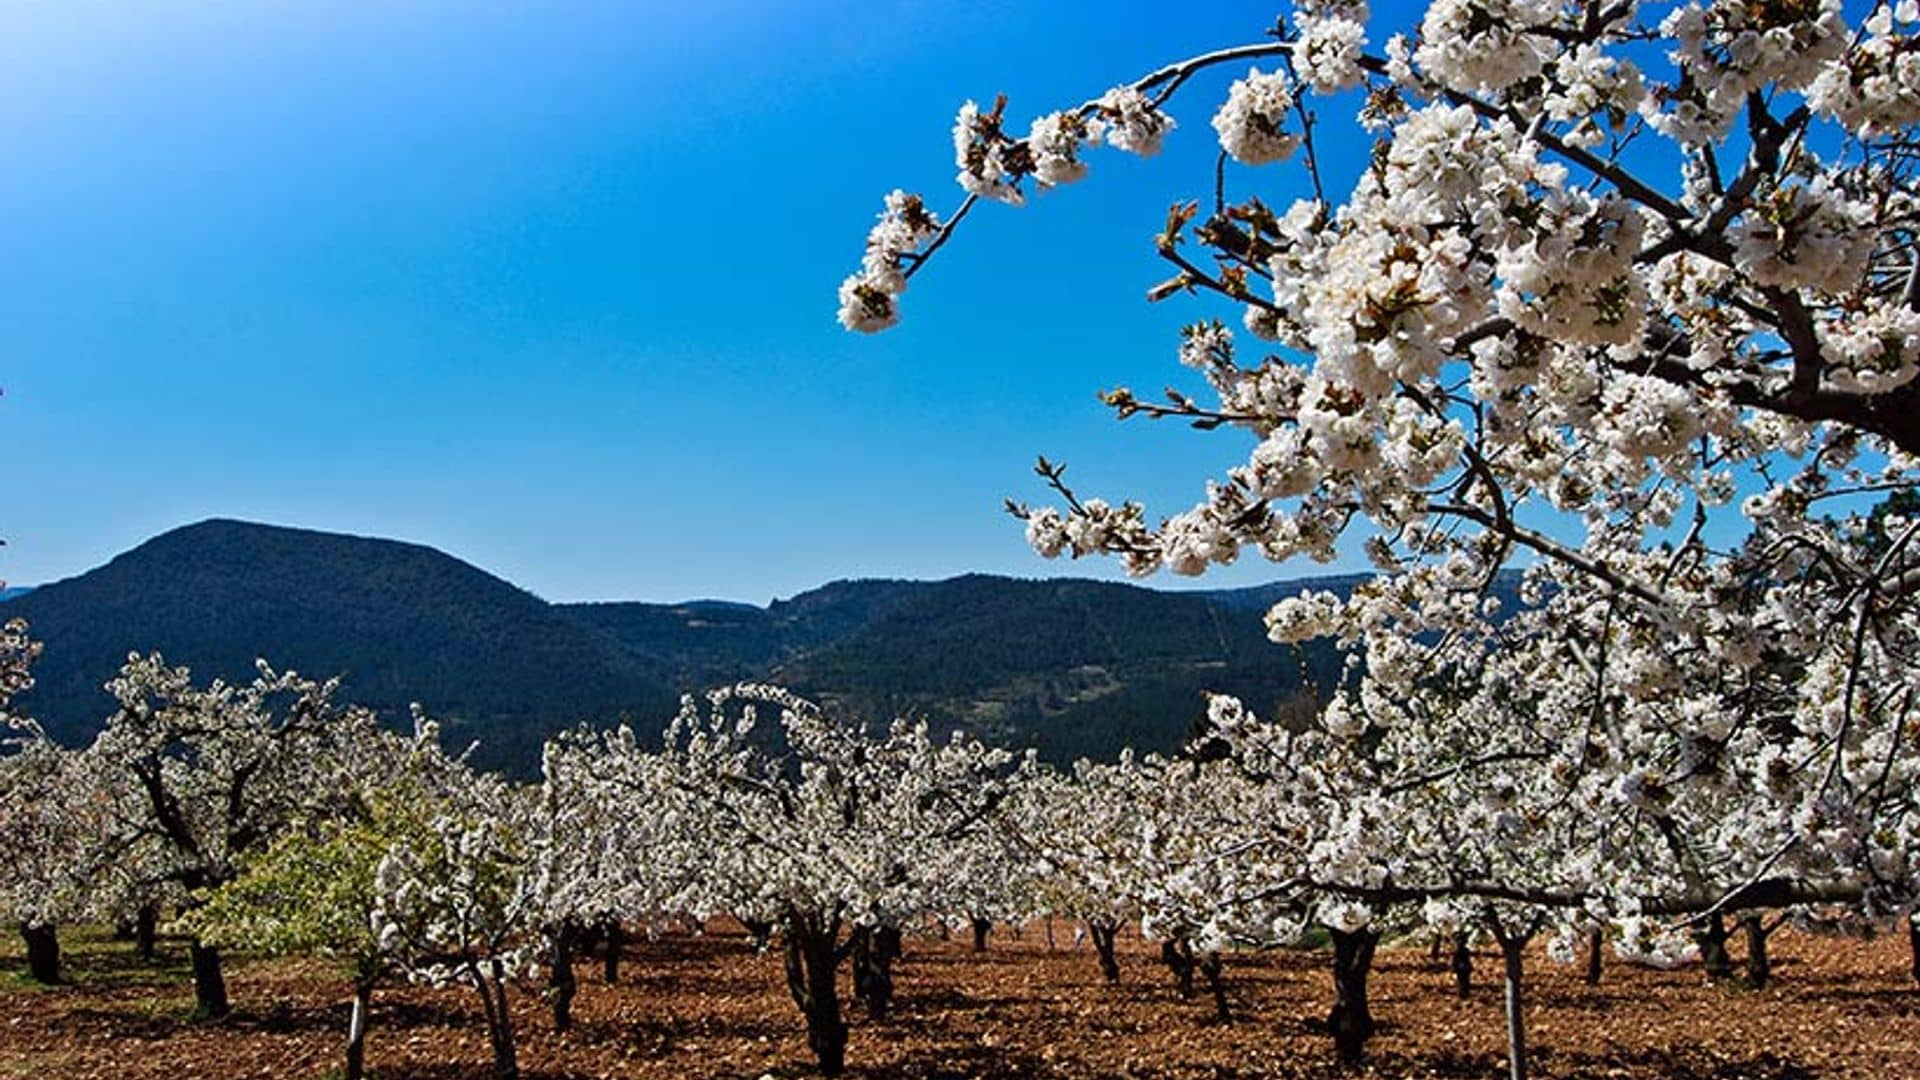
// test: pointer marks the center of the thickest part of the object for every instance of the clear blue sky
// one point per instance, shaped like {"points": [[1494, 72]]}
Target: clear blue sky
{"points": [[549, 285]]}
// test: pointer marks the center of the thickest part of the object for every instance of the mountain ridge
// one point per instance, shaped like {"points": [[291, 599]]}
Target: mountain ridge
{"points": [[1069, 665]]}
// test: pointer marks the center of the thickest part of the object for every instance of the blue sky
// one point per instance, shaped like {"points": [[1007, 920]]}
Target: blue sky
{"points": [[549, 285]]}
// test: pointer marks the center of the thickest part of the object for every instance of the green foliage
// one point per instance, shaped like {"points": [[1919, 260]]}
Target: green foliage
{"points": [[310, 893]]}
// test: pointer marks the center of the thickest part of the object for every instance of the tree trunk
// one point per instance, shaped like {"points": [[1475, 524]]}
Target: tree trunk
{"points": [[1350, 1021], [1102, 933], [886, 952], [1712, 939], [1178, 956], [1211, 968], [759, 932], [560, 981], [357, 1029], [43, 952], [616, 943], [1913, 943], [209, 983], [587, 941], [1513, 951], [146, 925], [811, 969], [1048, 924], [1461, 961], [492, 985], [980, 928], [1596, 949], [1433, 949], [1759, 968], [872, 952]]}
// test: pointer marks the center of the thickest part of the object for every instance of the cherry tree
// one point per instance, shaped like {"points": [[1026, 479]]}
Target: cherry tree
{"points": [[834, 831], [611, 849], [988, 881], [313, 891], [219, 772], [18, 651], [37, 845], [1083, 830], [458, 902], [45, 820], [1206, 867]]}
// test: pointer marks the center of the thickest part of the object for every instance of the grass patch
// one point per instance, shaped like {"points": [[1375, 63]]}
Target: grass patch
{"points": [[92, 958]]}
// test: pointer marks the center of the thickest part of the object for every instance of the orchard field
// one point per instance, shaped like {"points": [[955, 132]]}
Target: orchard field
{"points": [[712, 1006], [1591, 328]]}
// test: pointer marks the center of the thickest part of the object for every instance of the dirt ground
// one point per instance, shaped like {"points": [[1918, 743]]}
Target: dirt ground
{"points": [[711, 1007]]}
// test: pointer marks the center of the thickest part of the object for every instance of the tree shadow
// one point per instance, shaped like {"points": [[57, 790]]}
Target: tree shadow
{"points": [[1674, 1065], [958, 1061]]}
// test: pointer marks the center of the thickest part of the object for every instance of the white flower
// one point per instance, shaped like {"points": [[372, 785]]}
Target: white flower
{"points": [[1250, 123], [1305, 617], [1808, 236], [1478, 46], [1327, 52], [1134, 123], [1056, 141], [981, 151]]}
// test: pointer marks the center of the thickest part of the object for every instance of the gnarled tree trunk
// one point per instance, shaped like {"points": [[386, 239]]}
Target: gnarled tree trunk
{"points": [[1711, 937], [872, 952], [1461, 962], [209, 982], [1102, 932], [812, 963], [1596, 948], [1350, 1020], [1759, 968], [43, 952], [1177, 954], [1913, 943], [1210, 967], [980, 927], [616, 942], [490, 980], [146, 925], [561, 984]]}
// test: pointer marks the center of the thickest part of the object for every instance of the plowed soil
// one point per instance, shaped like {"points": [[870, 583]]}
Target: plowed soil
{"points": [[710, 1006]]}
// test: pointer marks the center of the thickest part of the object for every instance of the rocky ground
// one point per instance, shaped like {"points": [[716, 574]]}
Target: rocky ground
{"points": [[711, 1007]]}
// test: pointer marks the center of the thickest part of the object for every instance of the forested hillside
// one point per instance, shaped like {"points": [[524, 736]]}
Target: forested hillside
{"points": [[1073, 667]]}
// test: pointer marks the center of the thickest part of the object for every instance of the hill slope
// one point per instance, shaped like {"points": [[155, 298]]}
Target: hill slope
{"points": [[400, 621], [1073, 667]]}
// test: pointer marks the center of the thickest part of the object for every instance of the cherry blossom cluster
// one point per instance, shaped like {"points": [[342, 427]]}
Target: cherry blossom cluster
{"points": [[869, 300]]}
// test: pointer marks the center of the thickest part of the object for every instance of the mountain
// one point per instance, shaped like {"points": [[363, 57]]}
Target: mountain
{"points": [[1505, 588], [12, 591], [1073, 667], [401, 622], [1261, 597]]}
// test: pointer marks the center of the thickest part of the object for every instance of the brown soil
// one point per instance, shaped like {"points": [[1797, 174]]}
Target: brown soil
{"points": [[711, 1007]]}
